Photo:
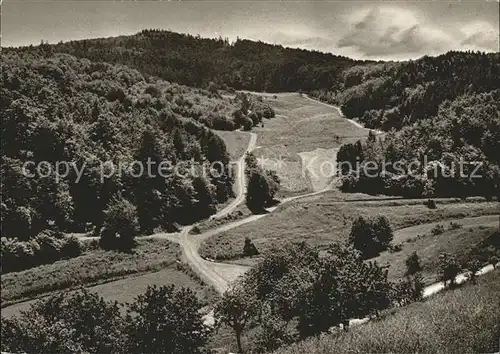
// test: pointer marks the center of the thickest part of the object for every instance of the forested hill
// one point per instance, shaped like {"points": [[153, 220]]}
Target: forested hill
{"points": [[380, 94], [393, 95], [58, 108], [196, 61]]}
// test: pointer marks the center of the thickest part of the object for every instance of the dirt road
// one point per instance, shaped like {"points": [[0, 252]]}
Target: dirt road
{"points": [[239, 181]]}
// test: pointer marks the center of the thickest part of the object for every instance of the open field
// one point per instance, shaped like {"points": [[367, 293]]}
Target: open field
{"points": [[125, 290], [301, 126], [322, 219], [236, 142], [94, 266], [465, 320]]}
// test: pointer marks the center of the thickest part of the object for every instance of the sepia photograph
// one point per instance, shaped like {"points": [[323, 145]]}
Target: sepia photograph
{"points": [[250, 176]]}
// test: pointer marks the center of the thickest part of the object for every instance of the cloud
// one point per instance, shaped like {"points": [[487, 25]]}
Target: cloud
{"points": [[391, 31], [480, 35]]}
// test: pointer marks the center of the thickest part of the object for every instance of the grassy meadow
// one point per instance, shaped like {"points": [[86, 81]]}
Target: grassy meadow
{"points": [[301, 126], [323, 219], [465, 320]]}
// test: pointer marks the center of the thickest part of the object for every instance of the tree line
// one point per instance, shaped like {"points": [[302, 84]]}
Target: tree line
{"points": [[195, 61], [451, 155]]}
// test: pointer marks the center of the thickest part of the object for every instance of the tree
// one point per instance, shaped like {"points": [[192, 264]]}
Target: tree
{"points": [[205, 197], [120, 225], [372, 236], [212, 88], [249, 248], [409, 290], [247, 124], [448, 268], [473, 266], [166, 320], [360, 235], [150, 184], [382, 232], [235, 310], [260, 191], [413, 264]]}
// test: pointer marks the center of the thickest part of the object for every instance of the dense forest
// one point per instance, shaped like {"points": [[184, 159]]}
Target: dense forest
{"points": [[393, 95], [454, 153]]}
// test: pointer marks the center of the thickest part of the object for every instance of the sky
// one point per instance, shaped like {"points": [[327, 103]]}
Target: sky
{"points": [[387, 30]]}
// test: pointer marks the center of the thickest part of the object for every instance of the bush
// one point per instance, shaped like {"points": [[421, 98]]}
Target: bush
{"points": [[437, 230], [473, 266], [493, 260], [408, 290], [47, 247], [413, 264], [448, 268], [120, 225], [249, 248], [247, 124], [430, 203]]}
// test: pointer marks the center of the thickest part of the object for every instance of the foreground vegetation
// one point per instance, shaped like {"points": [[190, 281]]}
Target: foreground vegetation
{"points": [[293, 294], [84, 322], [465, 320]]}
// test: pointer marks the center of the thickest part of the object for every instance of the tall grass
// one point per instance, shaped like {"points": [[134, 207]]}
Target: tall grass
{"points": [[466, 320]]}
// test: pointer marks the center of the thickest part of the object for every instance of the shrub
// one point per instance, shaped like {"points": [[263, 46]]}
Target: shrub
{"points": [[408, 290], [47, 247], [413, 264], [120, 225], [448, 268], [455, 225], [430, 203], [396, 248], [437, 230], [247, 124], [212, 88], [473, 266], [493, 260]]}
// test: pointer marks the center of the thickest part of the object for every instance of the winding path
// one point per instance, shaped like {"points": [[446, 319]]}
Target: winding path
{"points": [[220, 275]]}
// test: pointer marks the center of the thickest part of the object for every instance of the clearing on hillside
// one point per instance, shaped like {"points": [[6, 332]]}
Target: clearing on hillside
{"points": [[302, 128]]}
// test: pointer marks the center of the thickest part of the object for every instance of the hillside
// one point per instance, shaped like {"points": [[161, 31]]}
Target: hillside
{"points": [[392, 95], [74, 126], [462, 321]]}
